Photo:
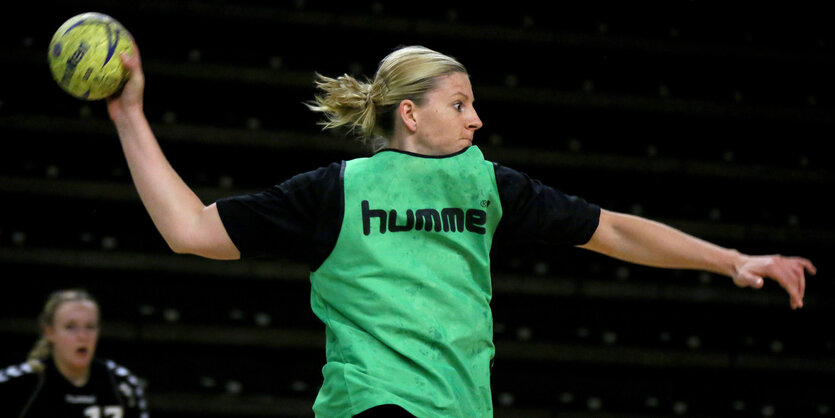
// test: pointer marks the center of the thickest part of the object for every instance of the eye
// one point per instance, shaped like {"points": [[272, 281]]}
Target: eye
{"points": [[458, 106]]}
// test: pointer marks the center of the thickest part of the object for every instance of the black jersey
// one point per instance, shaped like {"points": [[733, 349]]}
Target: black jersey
{"points": [[305, 213], [110, 392]]}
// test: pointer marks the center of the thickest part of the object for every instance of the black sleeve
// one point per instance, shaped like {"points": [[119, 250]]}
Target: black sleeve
{"points": [[298, 219], [17, 385], [129, 390], [534, 212]]}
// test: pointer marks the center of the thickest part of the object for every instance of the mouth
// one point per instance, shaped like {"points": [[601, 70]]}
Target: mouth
{"points": [[82, 351]]}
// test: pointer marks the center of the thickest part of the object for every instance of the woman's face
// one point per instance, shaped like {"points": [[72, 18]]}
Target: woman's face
{"points": [[74, 333], [446, 120]]}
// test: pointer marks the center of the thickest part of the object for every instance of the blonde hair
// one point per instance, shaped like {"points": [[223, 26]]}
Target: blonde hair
{"points": [[367, 108], [43, 348]]}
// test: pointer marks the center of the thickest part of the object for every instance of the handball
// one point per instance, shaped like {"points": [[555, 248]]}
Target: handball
{"points": [[84, 56]]}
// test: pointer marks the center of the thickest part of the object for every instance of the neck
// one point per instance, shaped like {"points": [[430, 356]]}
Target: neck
{"points": [[404, 144], [403, 140], [409, 145], [75, 375]]}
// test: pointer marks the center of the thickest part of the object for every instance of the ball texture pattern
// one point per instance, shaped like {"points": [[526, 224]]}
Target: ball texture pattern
{"points": [[84, 55]]}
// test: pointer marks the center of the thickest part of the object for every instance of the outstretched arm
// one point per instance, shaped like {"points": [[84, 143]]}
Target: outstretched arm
{"points": [[186, 224], [642, 241]]}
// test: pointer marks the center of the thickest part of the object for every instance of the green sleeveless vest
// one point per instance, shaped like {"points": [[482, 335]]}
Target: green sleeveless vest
{"points": [[405, 294]]}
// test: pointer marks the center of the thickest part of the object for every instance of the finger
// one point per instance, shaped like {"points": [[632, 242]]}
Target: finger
{"points": [[792, 287], [130, 61], [799, 291], [134, 66], [135, 47], [801, 282], [797, 303], [794, 277], [790, 284], [796, 274], [808, 266], [787, 276]]}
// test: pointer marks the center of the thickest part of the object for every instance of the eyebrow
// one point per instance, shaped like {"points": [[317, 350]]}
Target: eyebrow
{"points": [[460, 93]]}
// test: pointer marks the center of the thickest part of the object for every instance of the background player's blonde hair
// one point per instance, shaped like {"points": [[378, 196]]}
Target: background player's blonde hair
{"points": [[43, 348], [367, 108]]}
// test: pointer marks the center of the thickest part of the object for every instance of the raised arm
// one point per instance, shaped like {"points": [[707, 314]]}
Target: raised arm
{"points": [[186, 224], [642, 241]]}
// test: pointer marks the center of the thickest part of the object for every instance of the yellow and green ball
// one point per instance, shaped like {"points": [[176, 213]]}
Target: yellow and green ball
{"points": [[84, 55]]}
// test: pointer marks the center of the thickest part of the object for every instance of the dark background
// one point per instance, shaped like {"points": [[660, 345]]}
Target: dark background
{"points": [[712, 119]]}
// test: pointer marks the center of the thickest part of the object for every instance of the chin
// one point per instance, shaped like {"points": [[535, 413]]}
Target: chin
{"points": [[80, 361]]}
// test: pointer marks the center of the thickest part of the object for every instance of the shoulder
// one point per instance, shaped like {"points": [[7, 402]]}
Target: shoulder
{"points": [[119, 372], [128, 386], [514, 185], [507, 175], [294, 219], [534, 211], [310, 184], [17, 384], [326, 174], [19, 374]]}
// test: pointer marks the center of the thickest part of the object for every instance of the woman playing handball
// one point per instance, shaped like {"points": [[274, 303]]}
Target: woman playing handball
{"points": [[398, 243], [62, 377]]}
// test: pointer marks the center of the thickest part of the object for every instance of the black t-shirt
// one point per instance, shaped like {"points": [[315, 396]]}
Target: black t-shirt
{"points": [[110, 392], [301, 218]]}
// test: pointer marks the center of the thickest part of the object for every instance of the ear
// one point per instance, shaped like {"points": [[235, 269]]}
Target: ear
{"points": [[406, 111]]}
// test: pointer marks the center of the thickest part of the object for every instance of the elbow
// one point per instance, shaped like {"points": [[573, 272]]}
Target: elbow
{"points": [[205, 249], [179, 250], [184, 239], [178, 246]]}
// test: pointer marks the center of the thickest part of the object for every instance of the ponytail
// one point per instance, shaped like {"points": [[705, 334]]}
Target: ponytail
{"points": [[39, 353], [348, 102]]}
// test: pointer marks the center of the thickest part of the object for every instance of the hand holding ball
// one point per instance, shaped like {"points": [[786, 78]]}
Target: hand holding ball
{"points": [[84, 56]]}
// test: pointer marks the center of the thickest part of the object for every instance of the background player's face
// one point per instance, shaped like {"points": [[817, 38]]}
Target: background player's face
{"points": [[74, 333], [447, 120]]}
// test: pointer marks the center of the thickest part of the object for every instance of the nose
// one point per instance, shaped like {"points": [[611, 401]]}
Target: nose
{"points": [[85, 334], [475, 122]]}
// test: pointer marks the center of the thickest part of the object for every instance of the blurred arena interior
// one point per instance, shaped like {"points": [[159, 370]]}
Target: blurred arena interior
{"points": [[711, 119]]}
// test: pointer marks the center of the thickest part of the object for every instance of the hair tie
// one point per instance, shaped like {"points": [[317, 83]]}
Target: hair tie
{"points": [[369, 96], [377, 88]]}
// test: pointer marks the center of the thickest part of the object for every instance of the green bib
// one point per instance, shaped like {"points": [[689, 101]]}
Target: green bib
{"points": [[405, 294]]}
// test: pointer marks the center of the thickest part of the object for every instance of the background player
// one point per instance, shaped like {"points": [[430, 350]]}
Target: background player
{"points": [[62, 377]]}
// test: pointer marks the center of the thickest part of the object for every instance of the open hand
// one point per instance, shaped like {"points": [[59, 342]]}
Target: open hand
{"points": [[788, 271]]}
